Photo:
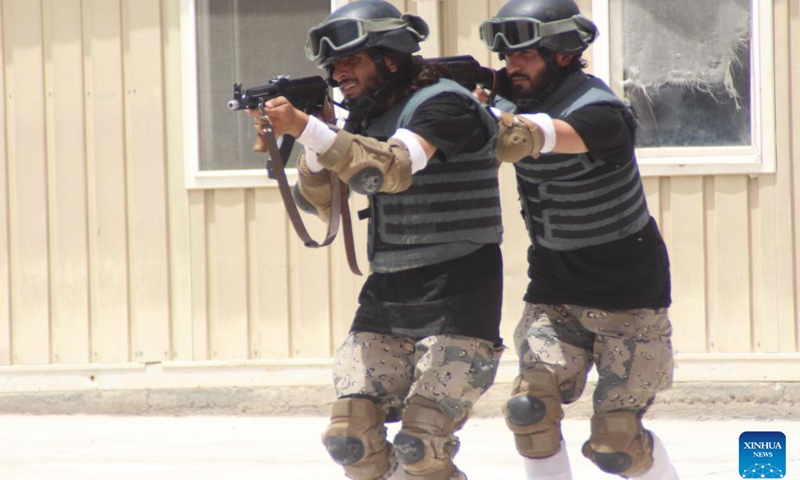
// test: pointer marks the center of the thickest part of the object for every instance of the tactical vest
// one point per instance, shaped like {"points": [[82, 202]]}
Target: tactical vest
{"points": [[570, 201], [450, 210]]}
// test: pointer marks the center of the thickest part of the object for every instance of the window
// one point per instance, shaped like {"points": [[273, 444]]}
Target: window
{"points": [[699, 78], [245, 41]]}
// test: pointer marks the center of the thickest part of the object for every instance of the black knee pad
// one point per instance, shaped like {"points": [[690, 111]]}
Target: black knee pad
{"points": [[525, 410], [619, 444], [356, 438], [425, 445], [408, 449], [615, 463], [345, 450]]}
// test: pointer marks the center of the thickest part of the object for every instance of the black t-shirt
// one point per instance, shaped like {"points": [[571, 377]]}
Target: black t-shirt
{"points": [[632, 272], [458, 297], [451, 123]]}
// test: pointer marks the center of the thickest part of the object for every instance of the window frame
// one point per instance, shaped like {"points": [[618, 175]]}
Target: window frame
{"points": [[759, 157], [195, 178]]}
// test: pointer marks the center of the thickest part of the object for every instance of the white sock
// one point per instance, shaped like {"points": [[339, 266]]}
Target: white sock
{"points": [[550, 468], [398, 474], [662, 468]]}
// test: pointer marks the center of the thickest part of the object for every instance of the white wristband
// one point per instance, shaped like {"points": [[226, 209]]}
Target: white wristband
{"points": [[317, 136], [418, 158], [545, 124], [312, 163]]}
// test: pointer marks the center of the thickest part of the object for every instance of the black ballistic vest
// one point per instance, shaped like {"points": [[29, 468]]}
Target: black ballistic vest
{"points": [[570, 201], [451, 209]]}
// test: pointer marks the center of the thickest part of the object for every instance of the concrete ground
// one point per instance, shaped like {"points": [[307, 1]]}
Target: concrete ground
{"points": [[92, 447]]}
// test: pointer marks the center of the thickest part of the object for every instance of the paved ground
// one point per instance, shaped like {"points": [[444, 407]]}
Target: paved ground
{"points": [[288, 448]]}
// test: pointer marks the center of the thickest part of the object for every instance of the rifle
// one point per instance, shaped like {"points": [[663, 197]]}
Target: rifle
{"points": [[307, 94], [466, 71], [310, 95]]}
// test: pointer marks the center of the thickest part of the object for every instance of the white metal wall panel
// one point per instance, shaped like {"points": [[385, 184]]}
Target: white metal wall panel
{"points": [[27, 182], [66, 171], [106, 182], [684, 232], [178, 230], [146, 180]]}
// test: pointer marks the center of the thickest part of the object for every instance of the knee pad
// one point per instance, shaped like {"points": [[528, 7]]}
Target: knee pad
{"points": [[534, 413], [425, 445], [619, 444], [356, 438]]}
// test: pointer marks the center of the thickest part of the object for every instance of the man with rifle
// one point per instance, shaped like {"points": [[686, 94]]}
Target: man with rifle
{"points": [[424, 344], [599, 270]]}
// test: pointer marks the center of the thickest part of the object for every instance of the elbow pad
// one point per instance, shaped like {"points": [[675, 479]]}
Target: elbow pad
{"points": [[312, 192], [517, 139], [368, 165]]}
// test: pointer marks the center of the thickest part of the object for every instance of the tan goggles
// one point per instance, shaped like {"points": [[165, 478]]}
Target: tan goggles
{"points": [[500, 34], [346, 33]]}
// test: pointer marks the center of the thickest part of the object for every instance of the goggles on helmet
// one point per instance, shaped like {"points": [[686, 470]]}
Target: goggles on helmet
{"points": [[500, 34], [345, 33]]}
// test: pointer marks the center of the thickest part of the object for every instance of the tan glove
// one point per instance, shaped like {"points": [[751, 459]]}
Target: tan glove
{"points": [[368, 165], [314, 190], [517, 139]]}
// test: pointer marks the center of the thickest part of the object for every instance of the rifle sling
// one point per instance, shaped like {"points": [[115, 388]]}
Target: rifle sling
{"points": [[339, 205]]}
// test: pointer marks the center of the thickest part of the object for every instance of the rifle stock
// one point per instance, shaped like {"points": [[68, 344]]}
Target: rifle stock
{"points": [[466, 71]]}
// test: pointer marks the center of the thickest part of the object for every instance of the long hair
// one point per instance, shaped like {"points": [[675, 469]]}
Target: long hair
{"points": [[413, 73]]}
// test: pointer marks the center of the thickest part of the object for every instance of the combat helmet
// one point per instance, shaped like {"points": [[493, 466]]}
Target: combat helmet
{"points": [[363, 25], [556, 25]]}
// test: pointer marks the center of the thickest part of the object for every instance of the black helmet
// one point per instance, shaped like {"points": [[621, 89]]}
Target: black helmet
{"points": [[362, 25], [557, 25]]}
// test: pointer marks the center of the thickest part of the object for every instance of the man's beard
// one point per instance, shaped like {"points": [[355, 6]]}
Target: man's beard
{"points": [[524, 93], [369, 98]]}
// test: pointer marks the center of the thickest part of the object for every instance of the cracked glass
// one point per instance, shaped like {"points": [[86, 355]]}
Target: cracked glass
{"points": [[686, 70]]}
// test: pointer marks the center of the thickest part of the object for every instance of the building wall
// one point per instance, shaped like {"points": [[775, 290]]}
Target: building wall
{"points": [[114, 275]]}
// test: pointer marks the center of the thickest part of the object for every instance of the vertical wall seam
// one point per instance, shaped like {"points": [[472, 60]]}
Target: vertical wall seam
{"points": [[87, 212], [751, 259], [249, 206], [167, 204], [47, 196], [794, 149], [125, 174], [5, 214], [287, 228], [208, 204]]}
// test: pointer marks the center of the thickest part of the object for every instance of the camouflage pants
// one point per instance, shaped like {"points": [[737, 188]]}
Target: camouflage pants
{"points": [[631, 350], [452, 371]]}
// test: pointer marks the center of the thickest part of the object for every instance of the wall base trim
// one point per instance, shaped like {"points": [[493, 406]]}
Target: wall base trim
{"points": [[759, 367]]}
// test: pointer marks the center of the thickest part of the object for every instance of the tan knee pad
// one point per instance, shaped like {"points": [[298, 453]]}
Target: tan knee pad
{"points": [[534, 413], [425, 445], [619, 444], [356, 438]]}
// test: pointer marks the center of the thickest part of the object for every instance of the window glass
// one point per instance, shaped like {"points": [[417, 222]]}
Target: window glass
{"points": [[686, 68], [246, 41]]}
